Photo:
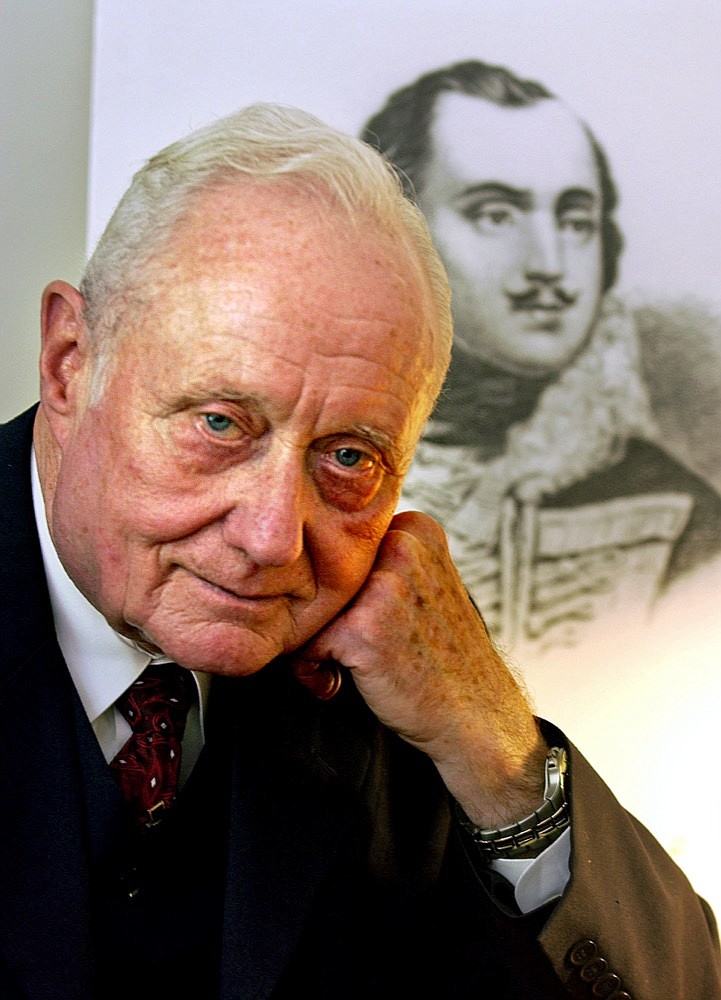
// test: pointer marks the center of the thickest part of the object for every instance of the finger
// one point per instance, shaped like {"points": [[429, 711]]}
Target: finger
{"points": [[421, 525]]}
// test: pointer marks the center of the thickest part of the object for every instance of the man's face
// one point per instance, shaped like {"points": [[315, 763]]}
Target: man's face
{"points": [[226, 497], [513, 202]]}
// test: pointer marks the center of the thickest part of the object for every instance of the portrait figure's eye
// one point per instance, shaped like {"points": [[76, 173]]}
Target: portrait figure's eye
{"points": [[578, 223], [490, 216]]}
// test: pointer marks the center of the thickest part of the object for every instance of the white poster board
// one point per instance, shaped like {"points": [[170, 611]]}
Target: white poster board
{"points": [[643, 705]]}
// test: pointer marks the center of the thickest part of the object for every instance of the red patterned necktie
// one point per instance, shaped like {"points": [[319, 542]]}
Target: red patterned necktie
{"points": [[147, 768]]}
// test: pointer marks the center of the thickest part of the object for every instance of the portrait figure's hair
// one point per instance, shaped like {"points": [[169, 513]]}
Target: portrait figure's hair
{"points": [[261, 143], [401, 131]]}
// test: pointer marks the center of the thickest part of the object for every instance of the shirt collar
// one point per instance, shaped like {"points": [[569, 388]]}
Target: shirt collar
{"points": [[84, 636]]}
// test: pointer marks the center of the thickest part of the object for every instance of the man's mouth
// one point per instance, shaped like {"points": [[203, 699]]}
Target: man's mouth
{"points": [[552, 301], [242, 593]]}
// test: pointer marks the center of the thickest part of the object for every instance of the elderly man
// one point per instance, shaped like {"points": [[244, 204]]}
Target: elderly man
{"points": [[256, 740], [540, 460]]}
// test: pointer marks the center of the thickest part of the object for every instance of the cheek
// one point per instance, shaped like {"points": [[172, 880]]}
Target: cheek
{"points": [[343, 551], [480, 273], [153, 498], [478, 301], [586, 266]]}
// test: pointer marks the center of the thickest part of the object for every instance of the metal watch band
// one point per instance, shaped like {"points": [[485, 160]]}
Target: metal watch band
{"points": [[551, 817]]}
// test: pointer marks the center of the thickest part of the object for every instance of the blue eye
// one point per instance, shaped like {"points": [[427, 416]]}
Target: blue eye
{"points": [[217, 422], [348, 456]]}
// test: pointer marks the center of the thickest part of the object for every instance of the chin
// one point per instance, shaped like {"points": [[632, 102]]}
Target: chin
{"points": [[539, 363], [219, 649]]}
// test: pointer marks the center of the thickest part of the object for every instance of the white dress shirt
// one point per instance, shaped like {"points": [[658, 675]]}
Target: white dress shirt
{"points": [[103, 664]]}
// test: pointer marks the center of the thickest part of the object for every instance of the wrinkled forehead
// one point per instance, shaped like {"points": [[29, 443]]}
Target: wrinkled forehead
{"points": [[282, 259], [539, 147], [249, 221]]}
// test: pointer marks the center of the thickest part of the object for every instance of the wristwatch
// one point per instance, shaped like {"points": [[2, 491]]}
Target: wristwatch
{"points": [[547, 821]]}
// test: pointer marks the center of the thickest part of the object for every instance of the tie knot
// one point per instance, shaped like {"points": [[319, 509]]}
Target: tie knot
{"points": [[159, 699]]}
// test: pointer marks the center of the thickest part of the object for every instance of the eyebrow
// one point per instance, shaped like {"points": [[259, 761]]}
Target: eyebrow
{"points": [[576, 198], [495, 191], [190, 396]]}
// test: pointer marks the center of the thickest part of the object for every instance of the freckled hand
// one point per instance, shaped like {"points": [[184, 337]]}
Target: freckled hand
{"points": [[421, 658]]}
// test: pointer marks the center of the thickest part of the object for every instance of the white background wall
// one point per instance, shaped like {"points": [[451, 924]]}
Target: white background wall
{"points": [[45, 58]]}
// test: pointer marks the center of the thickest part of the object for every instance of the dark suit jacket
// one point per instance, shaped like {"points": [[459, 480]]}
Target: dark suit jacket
{"points": [[345, 875]]}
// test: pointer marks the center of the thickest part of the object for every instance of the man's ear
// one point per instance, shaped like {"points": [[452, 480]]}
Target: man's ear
{"points": [[64, 359]]}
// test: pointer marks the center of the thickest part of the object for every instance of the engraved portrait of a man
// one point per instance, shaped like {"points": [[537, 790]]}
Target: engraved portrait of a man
{"points": [[542, 460]]}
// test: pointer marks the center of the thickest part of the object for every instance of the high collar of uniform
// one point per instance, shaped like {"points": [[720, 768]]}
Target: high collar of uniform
{"points": [[480, 402]]}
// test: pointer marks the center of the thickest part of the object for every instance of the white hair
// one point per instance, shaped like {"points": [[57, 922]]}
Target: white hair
{"points": [[263, 142]]}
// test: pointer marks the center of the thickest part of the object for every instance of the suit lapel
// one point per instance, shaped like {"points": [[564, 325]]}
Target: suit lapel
{"points": [[43, 863], [43, 866]]}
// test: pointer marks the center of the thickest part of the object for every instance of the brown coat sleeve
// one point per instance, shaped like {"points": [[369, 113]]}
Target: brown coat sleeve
{"points": [[632, 906]]}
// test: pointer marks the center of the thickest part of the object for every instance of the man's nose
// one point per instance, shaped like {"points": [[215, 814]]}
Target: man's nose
{"points": [[544, 251], [269, 513]]}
